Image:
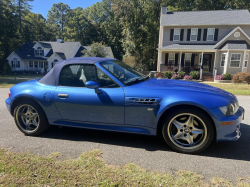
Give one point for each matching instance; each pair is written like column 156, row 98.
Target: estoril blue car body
column 106, row 94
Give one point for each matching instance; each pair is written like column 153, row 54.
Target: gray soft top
column 52, row 77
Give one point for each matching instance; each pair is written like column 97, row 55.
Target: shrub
column 195, row 74
column 241, row 77
column 168, row 74
column 7, row 68
column 181, row 74
column 187, row 77
column 175, row 76
column 129, row 60
column 227, row 76
column 218, row 77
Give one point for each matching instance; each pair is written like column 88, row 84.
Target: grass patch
column 7, row 83
column 18, row 169
column 237, row 89
column 28, row 76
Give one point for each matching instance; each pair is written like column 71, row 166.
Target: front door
column 75, row 102
column 207, row 60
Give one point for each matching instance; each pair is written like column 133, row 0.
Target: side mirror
column 93, row 85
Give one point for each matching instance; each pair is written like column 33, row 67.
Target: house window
column 188, row 59
column 15, row 63
column 210, row 34
column 31, row 64
column 39, row 52
column 36, row 64
column 41, row 64
column 235, row 60
column 177, row 33
column 171, row 58
column 223, row 59
column 53, row 63
column 246, row 60
column 194, row 33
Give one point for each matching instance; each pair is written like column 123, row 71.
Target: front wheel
column 188, row 130
column 30, row 118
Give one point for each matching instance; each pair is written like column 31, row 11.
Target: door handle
column 63, row 95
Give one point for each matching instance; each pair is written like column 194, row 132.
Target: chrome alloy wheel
column 187, row 131
column 27, row 118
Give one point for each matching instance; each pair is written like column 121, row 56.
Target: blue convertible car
column 106, row 94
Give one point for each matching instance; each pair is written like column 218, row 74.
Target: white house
column 42, row 55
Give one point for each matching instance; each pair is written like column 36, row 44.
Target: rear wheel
column 30, row 118
column 188, row 130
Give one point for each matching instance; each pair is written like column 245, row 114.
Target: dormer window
column 39, row 52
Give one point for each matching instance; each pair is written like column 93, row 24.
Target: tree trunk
column 20, row 22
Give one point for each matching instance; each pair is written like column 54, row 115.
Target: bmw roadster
column 106, row 94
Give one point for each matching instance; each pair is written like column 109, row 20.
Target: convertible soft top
column 52, row 77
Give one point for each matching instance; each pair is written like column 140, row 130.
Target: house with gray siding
column 204, row 41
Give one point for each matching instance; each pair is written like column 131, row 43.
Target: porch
column 39, row 66
column 187, row 61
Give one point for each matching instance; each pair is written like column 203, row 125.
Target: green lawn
column 19, row 169
column 7, row 83
column 236, row 89
column 30, row 76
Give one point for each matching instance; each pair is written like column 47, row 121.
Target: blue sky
column 43, row 6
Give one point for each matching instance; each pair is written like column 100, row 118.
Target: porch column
column 201, row 65
column 243, row 61
column 226, row 63
column 215, row 56
column 180, row 61
column 160, row 61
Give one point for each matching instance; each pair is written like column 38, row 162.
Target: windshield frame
column 140, row 77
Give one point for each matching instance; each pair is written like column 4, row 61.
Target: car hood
column 169, row 84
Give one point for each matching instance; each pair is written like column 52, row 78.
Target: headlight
column 231, row 109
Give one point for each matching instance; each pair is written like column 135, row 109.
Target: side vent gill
column 141, row 101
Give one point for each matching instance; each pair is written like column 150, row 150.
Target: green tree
column 58, row 14
column 95, row 50
column 9, row 36
column 79, row 28
column 22, row 8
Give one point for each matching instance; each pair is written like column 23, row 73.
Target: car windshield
column 126, row 74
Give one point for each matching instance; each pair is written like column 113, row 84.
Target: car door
column 75, row 102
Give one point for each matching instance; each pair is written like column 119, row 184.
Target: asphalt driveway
column 226, row 159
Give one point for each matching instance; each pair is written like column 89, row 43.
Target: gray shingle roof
column 238, row 44
column 186, row 46
column 212, row 17
column 65, row 50
column 68, row 48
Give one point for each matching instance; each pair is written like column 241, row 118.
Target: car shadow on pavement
column 238, row 150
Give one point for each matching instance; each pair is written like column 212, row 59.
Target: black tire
column 41, row 127
column 200, row 118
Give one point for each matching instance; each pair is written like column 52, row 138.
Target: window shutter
column 182, row 33
column 216, row 34
column 166, row 59
column 205, row 35
column 176, row 59
column 18, row 64
column 12, row 63
column 199, row 35
column 42, row 52
column 188, row 34
column 172, row 35
column 182, row 60
column 192, row 60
